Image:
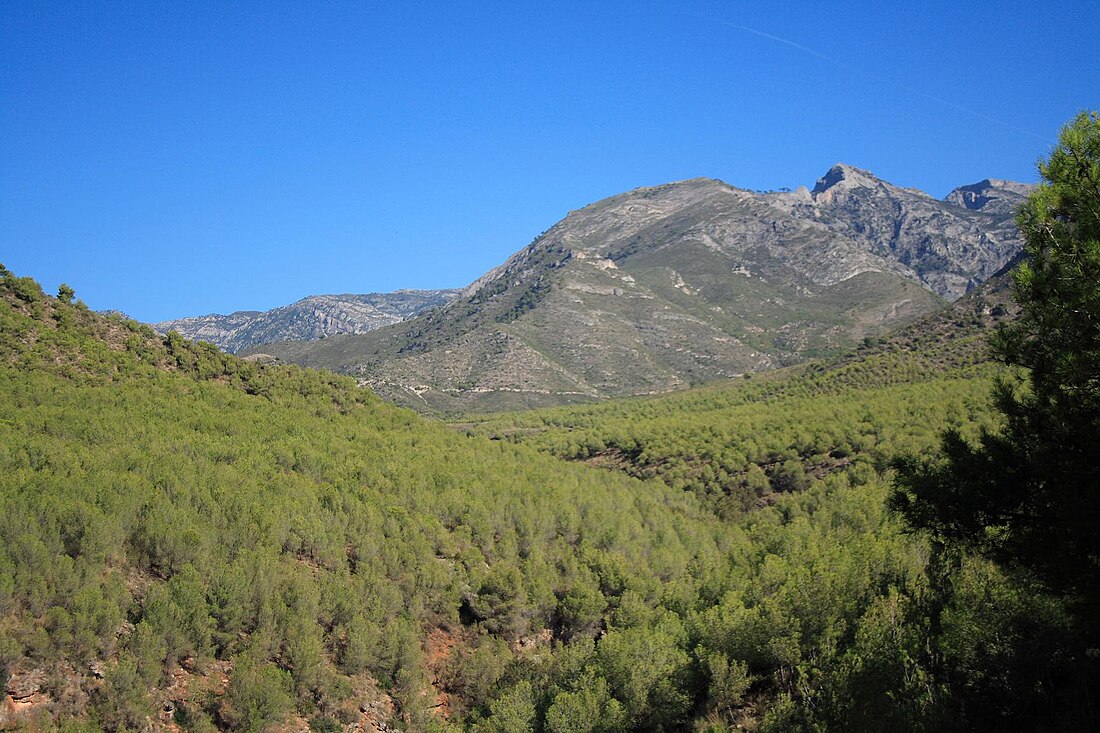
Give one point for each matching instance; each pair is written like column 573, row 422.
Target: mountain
column 660, row 288
column 311, row 318
column 990, row 196
column 950, row 245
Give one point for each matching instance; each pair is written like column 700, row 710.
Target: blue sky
column 172, row 159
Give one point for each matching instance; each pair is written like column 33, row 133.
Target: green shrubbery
column 167, row 507
column 164, row 503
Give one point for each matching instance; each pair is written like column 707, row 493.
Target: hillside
column 311, row 318
column 173, row 516
column 662, row 288
column 720, row 441
column 192, row 541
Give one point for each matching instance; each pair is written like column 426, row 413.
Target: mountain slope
column 172, row 516
column 190, row 541
column 661, row 288
column 721, row 441
column 311, row 318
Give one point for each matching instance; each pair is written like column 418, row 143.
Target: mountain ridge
column 662, row 287
column 310, row 318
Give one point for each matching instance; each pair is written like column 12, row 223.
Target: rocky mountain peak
column 844, row 177
column 993, row 195
column 664, row 286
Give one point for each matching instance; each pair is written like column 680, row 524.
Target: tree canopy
column 1027, row 495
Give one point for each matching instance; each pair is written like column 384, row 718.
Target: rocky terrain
column 661, row 288
column 311, row 318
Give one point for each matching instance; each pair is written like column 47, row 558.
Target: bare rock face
column 665, row 287
column 993, row 196
column 314, row 317
column 23, row 697
column 949, row 246
column 25, row 683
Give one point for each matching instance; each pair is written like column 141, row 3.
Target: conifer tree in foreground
column 1028, row 496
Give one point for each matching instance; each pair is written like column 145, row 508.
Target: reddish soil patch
column 438, row 648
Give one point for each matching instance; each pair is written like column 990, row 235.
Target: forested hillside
column 188, row 535
column 731, row 441
column 196, row 540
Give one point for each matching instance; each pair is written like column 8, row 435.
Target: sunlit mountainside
column 661, row 288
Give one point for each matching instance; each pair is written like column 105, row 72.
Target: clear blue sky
column 172, row 159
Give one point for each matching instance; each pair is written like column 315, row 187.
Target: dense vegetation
column 1028, row 495
column 172, row 514
column 166, row 504
column 196, row 540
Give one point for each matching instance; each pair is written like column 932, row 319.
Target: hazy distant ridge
column 313, row 317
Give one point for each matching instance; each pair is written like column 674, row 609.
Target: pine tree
column 1028, row 495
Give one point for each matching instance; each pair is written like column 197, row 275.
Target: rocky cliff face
column 664, row 287
column 315, row 317
column 949, row 246
column 991, row 196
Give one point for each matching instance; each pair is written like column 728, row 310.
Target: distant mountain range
column 311, row 318
column 661, row 288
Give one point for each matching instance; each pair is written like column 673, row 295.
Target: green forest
column 897, row 540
